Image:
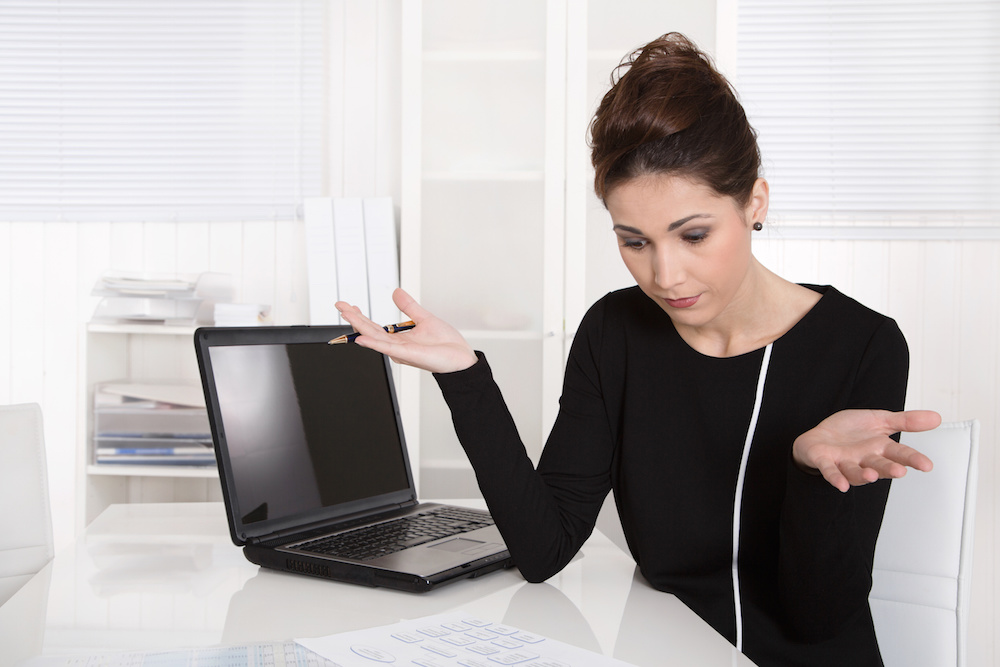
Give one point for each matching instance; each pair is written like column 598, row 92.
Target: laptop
column 314, row 468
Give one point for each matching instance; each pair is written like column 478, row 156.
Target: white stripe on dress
column 738, row 501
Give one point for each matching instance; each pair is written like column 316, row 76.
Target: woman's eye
column 633, row 244
column 695, row 237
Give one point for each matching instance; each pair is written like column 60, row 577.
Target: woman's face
column 687, row 247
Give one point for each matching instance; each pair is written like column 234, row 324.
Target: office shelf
column 124, row 470
column 501, row 334
column 470, row 56
column 499, row 175
column 138, row 354
column 144, row 329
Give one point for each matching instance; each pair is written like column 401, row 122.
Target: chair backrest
column 923, row 559
column 26, row 526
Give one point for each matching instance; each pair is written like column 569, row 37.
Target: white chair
column 26, row 526
column 923, row 559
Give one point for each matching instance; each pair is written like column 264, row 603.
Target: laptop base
column 371, row 577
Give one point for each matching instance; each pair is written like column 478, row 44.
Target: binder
column 352, row 255
column 349, row 243
column 383, row 262
column 321, row 260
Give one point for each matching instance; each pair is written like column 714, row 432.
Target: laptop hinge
column 339, row 523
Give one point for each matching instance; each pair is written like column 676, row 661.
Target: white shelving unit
column 501, row 234
column 483, row 209
column 135, row 353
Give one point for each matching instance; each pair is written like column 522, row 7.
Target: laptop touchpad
column 457, row 544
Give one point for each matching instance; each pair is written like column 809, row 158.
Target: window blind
column 179, row 110
column 875, row 111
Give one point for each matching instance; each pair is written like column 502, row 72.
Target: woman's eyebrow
column 671, row 227
column 626, row 228
column 677, row 223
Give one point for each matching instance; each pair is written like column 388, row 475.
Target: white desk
column 158, row 576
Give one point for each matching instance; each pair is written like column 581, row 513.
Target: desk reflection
column 278, row 605
column 159, row 577
column 550, row 613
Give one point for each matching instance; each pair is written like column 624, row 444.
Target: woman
column 743, row 422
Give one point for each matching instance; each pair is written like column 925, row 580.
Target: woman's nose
column 668, row 272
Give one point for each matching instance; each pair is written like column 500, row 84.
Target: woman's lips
column 686, row 302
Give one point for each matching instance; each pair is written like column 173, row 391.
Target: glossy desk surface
column 162, row 576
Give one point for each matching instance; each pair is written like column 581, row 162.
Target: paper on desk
column 454, row 639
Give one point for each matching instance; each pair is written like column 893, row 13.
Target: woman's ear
column 756, row 210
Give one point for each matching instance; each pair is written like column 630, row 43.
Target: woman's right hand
column 432, row 344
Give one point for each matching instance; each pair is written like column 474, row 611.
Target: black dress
column 666, row 428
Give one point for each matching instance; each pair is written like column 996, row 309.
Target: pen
column 391, row 328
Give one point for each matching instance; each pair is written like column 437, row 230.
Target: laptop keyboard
column 382, row 539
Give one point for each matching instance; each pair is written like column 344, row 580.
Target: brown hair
column 669, row 111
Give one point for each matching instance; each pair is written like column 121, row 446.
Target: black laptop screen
column 307, row 426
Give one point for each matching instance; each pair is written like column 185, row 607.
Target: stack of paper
column 151, row 424
column 352, row 256
column 160, row 299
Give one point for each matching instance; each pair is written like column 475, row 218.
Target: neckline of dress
column 824, row 291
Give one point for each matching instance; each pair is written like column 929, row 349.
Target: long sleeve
column 546, row 515
column 828, row 537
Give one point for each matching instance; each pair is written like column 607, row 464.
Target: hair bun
column 670, row 111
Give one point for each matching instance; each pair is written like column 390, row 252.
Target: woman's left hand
column 853, row 447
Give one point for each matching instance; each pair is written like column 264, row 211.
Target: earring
column 757, row 226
